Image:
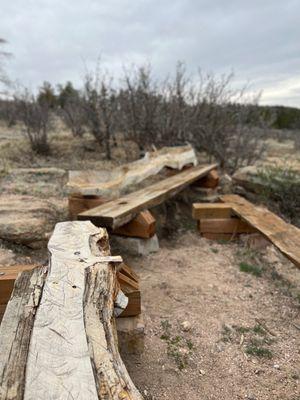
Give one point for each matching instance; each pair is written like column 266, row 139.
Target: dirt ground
column 222, row 320
column 244, row 336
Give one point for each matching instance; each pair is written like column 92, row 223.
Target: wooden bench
column 116, row 213
column 58, row 335
column 237, row 215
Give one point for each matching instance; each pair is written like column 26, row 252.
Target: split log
column 142, row 226
column 115, row 182
column 58, row 331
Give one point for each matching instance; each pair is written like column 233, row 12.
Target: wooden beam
column 284, row 236
column 226, row 225
column 211, row 210
column 61, row 328
column 118, row 212
column 142, row 226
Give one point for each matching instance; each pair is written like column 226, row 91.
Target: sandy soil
column 242, row 333
column 231, row 313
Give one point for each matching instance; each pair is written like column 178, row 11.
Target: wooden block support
column 219, row 236
column 59, row 324
column 79, row 203
column 211, row 210
column 210, row 181
column 142, row 226
column 228, row 225
column 129, row 284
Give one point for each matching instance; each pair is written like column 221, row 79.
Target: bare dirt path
column 244, row 340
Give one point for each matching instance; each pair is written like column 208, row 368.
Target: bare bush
column 4, row 80
column 35, row 117
column 72, row 109
column 8, row 112
column 139, row 102
column 101, row 106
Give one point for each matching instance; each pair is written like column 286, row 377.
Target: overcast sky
column 259, row 40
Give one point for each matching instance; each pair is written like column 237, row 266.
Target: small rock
column 276, row 366
column 250, row 397
column 186, row 326
column 202, row 372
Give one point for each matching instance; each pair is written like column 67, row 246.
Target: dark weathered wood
column 210, row 181
column 142, row 226
column 15, row 332
column 284, row 236
column 63, row 344
column 79, row 203
column 8, row 275
column 118, row 212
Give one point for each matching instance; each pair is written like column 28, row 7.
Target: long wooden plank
column 118, row 212
column 284, row 236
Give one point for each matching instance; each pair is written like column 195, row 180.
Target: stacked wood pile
column 58, row 334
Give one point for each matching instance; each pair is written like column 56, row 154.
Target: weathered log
column 58, row 334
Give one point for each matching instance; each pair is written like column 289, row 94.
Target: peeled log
column 67, row 343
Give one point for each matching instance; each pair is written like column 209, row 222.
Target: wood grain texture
column 211, row 210
column 114, row 182
column 284, row 236
column 142, row 226
column 8, row 275
column 73, row 351
column 225, row 225
column 15, row 332
column 118, row 212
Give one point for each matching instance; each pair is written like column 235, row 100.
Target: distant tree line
column 207, row 112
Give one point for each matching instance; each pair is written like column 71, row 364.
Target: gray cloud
column 53, row 40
